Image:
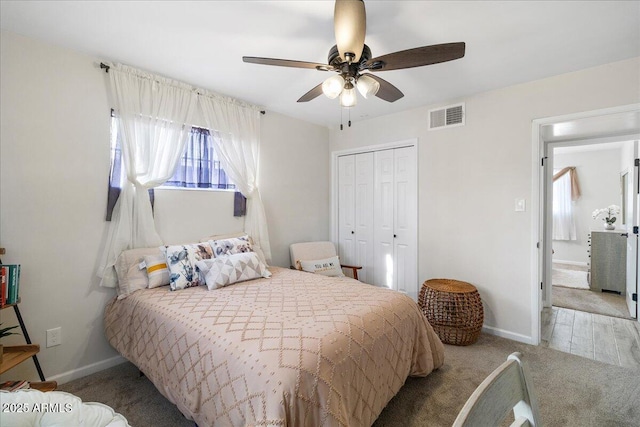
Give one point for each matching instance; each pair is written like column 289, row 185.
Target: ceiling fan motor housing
column 347, row 69
column 334, row 56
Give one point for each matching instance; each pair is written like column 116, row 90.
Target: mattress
column 297, row 349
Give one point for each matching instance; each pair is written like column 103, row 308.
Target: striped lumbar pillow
column 157, row 270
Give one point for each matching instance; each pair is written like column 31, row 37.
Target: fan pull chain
column 342, row 117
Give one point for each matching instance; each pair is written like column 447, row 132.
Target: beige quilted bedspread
column 298, row 349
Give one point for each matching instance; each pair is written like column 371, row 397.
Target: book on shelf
column 14, row 385
column 3, row 285
column 10, row 279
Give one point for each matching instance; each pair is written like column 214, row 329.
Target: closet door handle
column 394, row 236
column 353, row 232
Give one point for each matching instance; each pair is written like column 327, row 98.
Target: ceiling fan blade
column 287, row 63
column 387, row 91
column 312, row 94
column 417, row 57
column 350, row 26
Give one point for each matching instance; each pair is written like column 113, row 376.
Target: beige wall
column 295, row 157
column 470, row 176
column 54, row 165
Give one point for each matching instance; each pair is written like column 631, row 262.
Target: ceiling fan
column 351, row 59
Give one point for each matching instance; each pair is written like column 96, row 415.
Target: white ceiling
column 202, row 43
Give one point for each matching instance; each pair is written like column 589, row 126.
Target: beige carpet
column 572, row 391
column 569, row 278
column 604, row 303
column 571, row 290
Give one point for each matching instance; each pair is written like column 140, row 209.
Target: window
column 198, row 168
column 564, row 227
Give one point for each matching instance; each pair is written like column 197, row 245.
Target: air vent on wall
column 446, row 117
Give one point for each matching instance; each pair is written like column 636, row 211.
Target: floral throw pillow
column 233, row 245
column 226, row 270
column 181, row 260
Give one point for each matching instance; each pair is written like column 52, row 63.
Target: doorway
column 593, row 215
column 568, row 329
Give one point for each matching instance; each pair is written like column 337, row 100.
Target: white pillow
column 226, row 270
column 157, row 270
column 327, row 267
column 131, row 272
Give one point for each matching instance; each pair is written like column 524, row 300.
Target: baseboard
column 582, row 264
column 506, row 334
column 83, row 371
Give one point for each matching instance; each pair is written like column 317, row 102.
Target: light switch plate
column 520, row 205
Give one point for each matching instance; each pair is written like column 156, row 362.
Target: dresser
column 608, row 270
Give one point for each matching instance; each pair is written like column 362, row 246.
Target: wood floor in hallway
column 607, row 339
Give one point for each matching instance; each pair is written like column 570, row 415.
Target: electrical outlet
column 54, row 337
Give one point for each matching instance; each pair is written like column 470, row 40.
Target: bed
column 296, row 349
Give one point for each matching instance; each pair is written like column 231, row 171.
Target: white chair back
column 508, row 388
column 308, row 251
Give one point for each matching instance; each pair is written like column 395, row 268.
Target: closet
column 377, row 216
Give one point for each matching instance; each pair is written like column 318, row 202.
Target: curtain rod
column 106, row 70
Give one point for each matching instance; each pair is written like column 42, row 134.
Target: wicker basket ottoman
column 454, row 310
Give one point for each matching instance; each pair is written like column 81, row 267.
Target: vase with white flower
column 608, row 215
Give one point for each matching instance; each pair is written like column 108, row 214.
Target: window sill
column 216, row 190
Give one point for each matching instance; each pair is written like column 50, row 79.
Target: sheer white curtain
column 152, row 112
column 235, row 128
column 564, row 227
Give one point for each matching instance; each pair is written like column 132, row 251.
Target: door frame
column 411, row 142
column 540, row 231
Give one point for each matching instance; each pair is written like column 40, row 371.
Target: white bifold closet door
column 377, row 216
column 355, row 246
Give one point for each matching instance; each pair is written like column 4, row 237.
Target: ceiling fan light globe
column 348, row 97
column 332, row 87
column 350, row 23
column 367, row 86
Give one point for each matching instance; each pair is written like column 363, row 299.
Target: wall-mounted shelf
column 13, row 355
column 26, row 337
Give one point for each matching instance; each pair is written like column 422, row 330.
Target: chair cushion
column 327, row 267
